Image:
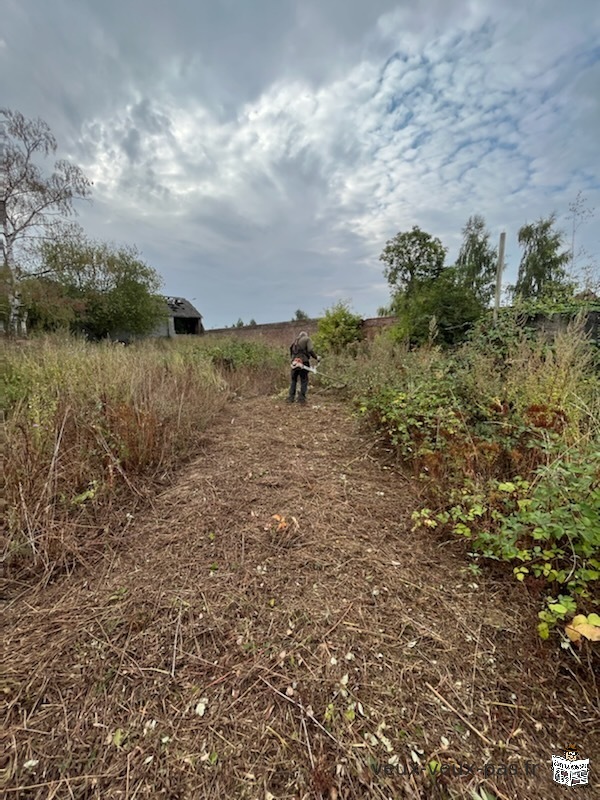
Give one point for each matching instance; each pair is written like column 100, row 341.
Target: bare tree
column 31, row 203
column 580, row 214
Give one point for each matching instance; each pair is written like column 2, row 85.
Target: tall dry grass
column 89, row 428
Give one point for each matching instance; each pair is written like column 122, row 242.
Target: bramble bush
column 547, row 527
column 505, row 433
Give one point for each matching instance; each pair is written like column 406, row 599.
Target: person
column 301, row 351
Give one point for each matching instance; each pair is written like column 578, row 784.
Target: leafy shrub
column 338, row 329
column 547, row 527
column 442, row 309
column 506, row 438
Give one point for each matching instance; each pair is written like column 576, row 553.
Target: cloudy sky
column 260, row 153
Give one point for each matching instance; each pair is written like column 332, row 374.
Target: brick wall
column 284, row 333
column 374, row 325
column 277, row 333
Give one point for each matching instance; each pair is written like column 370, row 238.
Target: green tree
column 338, row 328
column 443, row 303
column 49, row 306
column 31, row 202
column 94, row 287
column 410, row 258
column 476, row 263
column 542, row 268
column 252, row 323
column 239, row 323
column 300, row 316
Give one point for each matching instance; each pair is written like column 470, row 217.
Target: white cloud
column 345, row 126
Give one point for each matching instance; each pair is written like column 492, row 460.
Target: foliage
column 504, row 433
column 547, row 527
column 561, row 301
column 300, row 316
column 33, row 202
column 385, row 311
column 412, row 257
column 238, row 353
column 442, row 309
column 433, row 302
column 542, row 267
column 476, row 263
column 49, row 307
column 94, row 288
column 499, row 340
column 338, row 328
column 7, row 288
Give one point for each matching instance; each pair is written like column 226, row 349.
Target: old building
column 183, row 319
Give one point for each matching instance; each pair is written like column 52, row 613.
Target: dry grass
column 93, row 430
column 216, row 656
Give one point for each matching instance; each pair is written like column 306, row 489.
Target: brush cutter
column 297, row 364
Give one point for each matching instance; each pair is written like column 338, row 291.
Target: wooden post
column 499, row 270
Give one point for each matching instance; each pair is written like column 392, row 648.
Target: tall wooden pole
column 499, row 270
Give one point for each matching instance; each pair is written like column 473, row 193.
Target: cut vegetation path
column 271, row 628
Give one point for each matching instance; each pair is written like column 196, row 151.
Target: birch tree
column 542, row 267
column 32, row 202
column 476, row 263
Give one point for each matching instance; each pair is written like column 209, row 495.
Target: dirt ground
column 331, row 653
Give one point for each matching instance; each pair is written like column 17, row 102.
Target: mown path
column 214, row 656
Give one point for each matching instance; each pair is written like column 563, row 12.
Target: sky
column 260, row 153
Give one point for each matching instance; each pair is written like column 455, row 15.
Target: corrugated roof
column 180, row 307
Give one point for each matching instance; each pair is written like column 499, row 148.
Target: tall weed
column 90, row 426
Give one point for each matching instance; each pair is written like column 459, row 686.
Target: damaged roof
column 180, row 307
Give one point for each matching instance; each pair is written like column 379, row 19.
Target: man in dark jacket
column 301, row 351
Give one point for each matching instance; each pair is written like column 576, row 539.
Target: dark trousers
column 303, row 375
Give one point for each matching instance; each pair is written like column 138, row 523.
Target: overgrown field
column 91, row 429
column 504, row 433
column 273, row 627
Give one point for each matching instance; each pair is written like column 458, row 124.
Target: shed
column 183, row 318
column 180, row 319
